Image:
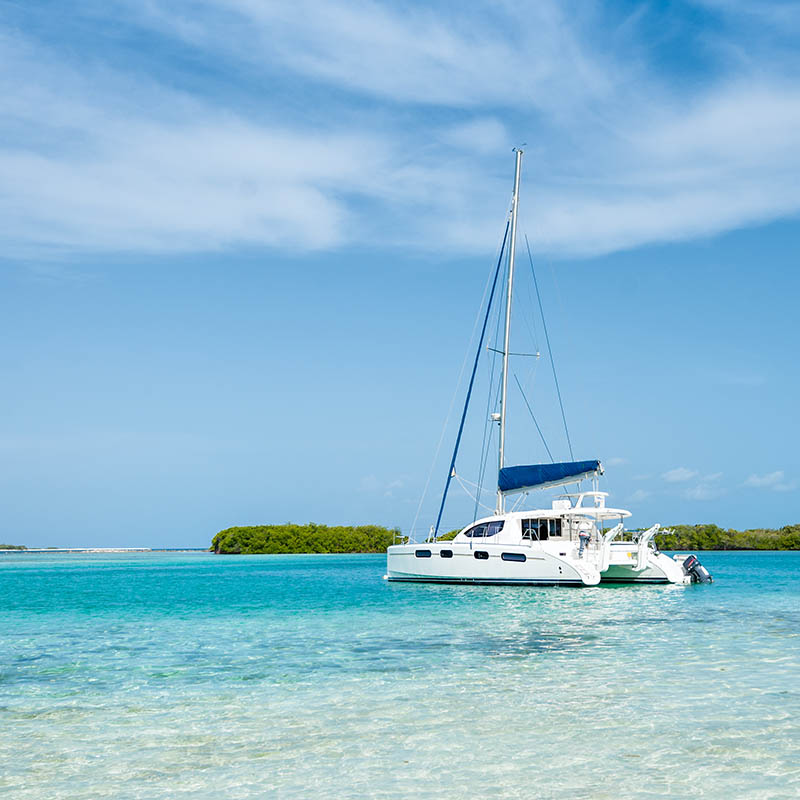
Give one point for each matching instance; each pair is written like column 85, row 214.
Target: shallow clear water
column 192, row 675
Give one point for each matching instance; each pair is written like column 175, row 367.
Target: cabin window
column 446, row 553
column 513, row 557
column 534, row 529
column 540, row 529
column 481, row 555
column 423, row 553
column 485, row 529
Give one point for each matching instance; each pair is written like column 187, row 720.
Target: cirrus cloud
column 348, row 123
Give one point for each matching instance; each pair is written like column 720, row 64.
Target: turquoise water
column 192, row 675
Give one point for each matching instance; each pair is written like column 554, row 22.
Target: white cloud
column 389, row 126
column 704, row 491
column 639, row 495
column 391, row 486
column 413, row 55
column 616, row 461
column 712, row 477
column 706, row 488
column 679, row 475
column 771, row 480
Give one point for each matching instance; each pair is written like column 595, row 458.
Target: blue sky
column 244, row 245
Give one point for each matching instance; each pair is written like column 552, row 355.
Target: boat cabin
column 568, row 516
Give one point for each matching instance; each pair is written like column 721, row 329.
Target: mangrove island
column 314, row 538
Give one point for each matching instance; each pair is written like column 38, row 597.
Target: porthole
column 446, row 553
column 423, row 553
column 513, row 557
column 481, row 555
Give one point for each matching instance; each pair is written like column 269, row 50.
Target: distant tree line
column 13, row 547
column 712, row 537
column 311, row 538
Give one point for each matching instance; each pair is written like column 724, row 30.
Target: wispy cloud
column 771, row 480
column 679, row 475
column 704, row 491
column 325, row 124
column 705, row 488
column 782, row 15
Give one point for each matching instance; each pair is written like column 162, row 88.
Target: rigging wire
column 484, row 450
column 533, row 417
column 549, row 349
column 519, row 500
column 501, row 248
column 451, row 471
column 488, row 426
column 463, row 480
column 485, row 454
column 475, row 497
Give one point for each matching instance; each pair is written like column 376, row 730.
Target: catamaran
column 577, row 540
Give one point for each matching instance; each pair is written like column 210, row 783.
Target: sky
column 243, row 248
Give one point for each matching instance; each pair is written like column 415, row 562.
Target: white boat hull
column 658, row 568
column 494, row 564
column 542, row 565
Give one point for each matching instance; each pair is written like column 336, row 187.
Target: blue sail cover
column 539, row 476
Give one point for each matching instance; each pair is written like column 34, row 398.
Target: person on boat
column 584, row 536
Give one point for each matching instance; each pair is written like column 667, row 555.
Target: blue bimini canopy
column 540, row 476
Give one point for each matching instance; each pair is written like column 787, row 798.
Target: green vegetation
column 314, row 538
column 309, row 538
column 13, row 547
column 712, row 537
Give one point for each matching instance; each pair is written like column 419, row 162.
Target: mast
column 511, row 253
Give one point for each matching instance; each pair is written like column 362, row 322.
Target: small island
column 310, row 538
column 314, row 538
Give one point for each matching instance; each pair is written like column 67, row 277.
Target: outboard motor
column 698, row 573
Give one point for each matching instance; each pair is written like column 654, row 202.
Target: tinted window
column 485, row 529
column 540, row 528
column 446, row 553
column 481, row 555
column 423, row 553
column 513, row 556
